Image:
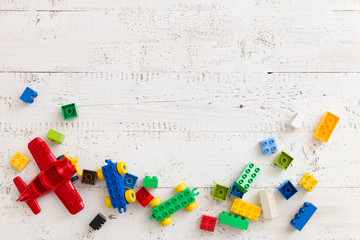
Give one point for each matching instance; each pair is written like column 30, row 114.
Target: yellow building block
column 308, row 182
column 245, row 209
column 19, row 161
column 326, row 127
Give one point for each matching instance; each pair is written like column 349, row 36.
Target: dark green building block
column 235, row 221
column 220, row 192
column 151, row 182
column 284, row 160
column 69, row 111
column 174, row 204
column 55, row 136
column 247, row 177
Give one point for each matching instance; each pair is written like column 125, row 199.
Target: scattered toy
column 28, row 95
column 268, row 203
column 97, row 222
column 150, row 182
column 297, row 121
column 143, row 197
column 69, row 111
column 235, row 192
column 234, row 221
column 130, row 180
column 88, row 177
column 303, row 216
column 20, row 161
column 55, row 136
column 284, row 160
column 220, row 192
column 268, row 146
column 287, row 189
column 247, row 177
column 326, row 127
column 245, row 209
column 309, row 182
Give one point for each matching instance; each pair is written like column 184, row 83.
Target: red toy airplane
column 55, row 176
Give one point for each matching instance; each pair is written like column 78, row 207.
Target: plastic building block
column 130, row 180
column 236, row 192
column 69, row 111
column 208, row 223
column 326, row 127
column 220, row 192
column 28, row 95
column 245, row 209
column 268, row 203
column 247, row 177
column 55, row 136
column 89, row 177
column 143, row 197
column 55, row 176
column 268, row 146
column 287, row 189
column 297, row 121
column 97, row 222
column 20, row 161
column 75, row 178
column 184, row 199
column 309, row 182
column 234, row 221
column 151, row 182
column 303, row 216
column 284, row 160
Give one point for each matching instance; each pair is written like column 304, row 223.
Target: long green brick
column 235, row 221
column 247, row 177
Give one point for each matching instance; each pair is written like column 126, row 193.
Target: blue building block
column 268, row 146
column 303, row 216
column 130, row 180
column 28, row 95
column 235, row 192
column 287, row 189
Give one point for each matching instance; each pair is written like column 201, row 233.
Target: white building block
column 297, row 121
column 268, row 203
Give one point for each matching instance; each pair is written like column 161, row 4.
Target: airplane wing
column 41, row 153
column 70, row 197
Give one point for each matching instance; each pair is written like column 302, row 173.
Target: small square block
column 89, row 177
column 235, row 192
column 287, row 189
column 28, row 95
column 151, row 182
column 297, row 121
column 55, row 136
column 220, row 192
column 284, row 160
column 144, row 197
column 20, row 161
column 308, row 182
column 97, row 222
column 268, row 146
column 69, row 111
column 208, row 223
column 130, row 180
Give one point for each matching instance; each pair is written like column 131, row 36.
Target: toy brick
column 220, row 192
column 287, row 189
column 234, row 221
column 303, row 216
column 247, row 177
column 151, row 182
column 97, row 222
column 89, row 177
column 326, row 127
column 69, row 111
column 143, row 196
column 235, row 192
column 245, row 209
column 268, row 146
column 284, row 160
column 309, row 182
column 28, row 95
column 268, row 203
column 20, row 161
column 130, row 180
column 297, row 121
column 55, row 136
column 208, row 223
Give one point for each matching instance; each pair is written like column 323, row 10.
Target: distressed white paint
column 184, row 91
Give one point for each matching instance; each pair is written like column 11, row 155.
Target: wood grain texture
column 184, row 91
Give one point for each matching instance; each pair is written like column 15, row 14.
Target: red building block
column 208, row 223
column 143, row 197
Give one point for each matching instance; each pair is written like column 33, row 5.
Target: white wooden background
column 183, row 90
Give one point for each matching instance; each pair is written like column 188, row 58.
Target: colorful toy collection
column 58, row 174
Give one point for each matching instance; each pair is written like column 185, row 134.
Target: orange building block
column 308, row 182
column 326, row 127
column 245, row 209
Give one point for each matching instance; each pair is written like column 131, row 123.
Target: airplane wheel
column 121, row 168
column 130, row 196
column 100, row 174
column 191, row 206
column 166, row 221
column 156, row 202
column 108, row 202
column 181, row 187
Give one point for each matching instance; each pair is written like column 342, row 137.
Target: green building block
column 151, row 182
column 69, row 111
column 247, row 177
column 220, row 192
column 284, row 160
column 55, row 136
column 174, row 204
column 235, row 221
